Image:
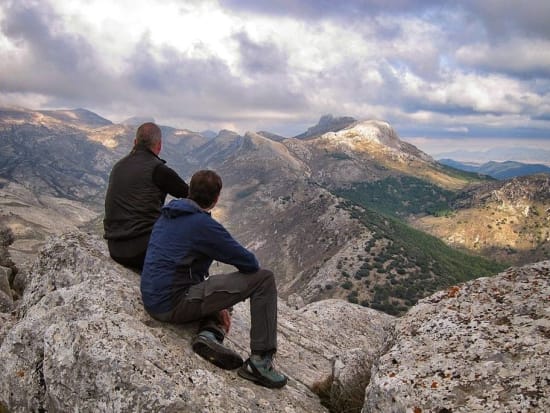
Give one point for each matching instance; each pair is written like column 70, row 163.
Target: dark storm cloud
column 475, row 130
column 51, row 66
column 34, row 25
column 202, row 88
column 54, row 60
column 260, row 58
column 500, row 17
column 503, row 18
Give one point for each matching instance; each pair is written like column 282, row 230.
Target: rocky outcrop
column 514, row 194
column 82, row 342
column 8, row 271
column 479, row 347
column 79, row 340
column 327, row 123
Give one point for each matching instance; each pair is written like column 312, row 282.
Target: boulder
column 479, row 347
column 83, row 342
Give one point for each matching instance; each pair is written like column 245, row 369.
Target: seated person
column 176, row 286
column 138, row 185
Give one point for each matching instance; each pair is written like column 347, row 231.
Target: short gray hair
column 148, row 135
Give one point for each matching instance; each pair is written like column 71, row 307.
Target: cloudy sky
column 472, row 73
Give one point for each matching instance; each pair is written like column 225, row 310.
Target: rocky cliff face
column 79, row 340
column 327, row 123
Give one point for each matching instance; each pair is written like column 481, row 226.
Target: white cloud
column 215, row 63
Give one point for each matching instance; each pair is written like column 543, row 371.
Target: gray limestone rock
column 6, row 302
column 6, row 323
column 81, row 341
column 5, row 274
column 84, row 343
column 480, row 347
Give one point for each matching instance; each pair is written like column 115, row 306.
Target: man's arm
column 218, row 244
column 169, row 181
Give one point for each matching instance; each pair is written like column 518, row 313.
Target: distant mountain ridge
column 281, row 198
column 498, row 170
column 519, row 154
column 137, row 120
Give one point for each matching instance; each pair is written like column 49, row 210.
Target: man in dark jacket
column 176, row 286
column 138, row 186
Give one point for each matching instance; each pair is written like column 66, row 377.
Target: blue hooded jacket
column 184, row 242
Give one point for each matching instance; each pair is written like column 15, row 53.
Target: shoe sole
column 262, row 381
column 217, row 354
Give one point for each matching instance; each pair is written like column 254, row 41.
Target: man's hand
column 225, row 320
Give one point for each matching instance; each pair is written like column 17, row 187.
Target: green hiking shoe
column 209, row 348
column 260, row 370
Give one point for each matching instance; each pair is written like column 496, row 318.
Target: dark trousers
column 134, row 263
column 205, row 300
column 129, row 252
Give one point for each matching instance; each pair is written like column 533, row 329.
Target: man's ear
column 158, row 147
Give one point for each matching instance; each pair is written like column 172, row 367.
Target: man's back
column 133, row 201
column 138, row 185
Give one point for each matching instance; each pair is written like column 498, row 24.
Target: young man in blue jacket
column 177, row 288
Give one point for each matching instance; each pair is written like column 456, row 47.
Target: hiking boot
column 260, row 370
column 210, row 348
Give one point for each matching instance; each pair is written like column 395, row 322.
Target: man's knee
column 267, row 277
column 265, row 273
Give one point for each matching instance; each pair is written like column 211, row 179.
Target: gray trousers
column 205, row 300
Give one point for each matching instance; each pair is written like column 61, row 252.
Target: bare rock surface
column 6, row 323
column 81, row 341
column 480, row 347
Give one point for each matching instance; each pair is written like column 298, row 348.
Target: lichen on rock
column 479, row 347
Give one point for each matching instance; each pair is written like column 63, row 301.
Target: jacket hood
column 178, row 207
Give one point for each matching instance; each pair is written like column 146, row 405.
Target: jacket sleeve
column 170, row 182
column 217, row 243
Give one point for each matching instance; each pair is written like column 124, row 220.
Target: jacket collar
column 142, row 148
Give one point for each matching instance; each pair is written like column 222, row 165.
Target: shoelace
column 270, row 365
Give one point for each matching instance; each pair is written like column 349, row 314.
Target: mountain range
column 344, row 210
column 498, row 170
column 528, row 155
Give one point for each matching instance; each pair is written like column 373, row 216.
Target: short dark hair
column 205, row 187
column 148, row 135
